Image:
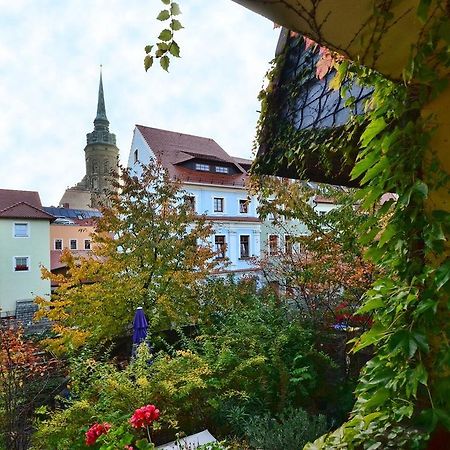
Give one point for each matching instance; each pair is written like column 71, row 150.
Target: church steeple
column 101, row 121
column 101, row 134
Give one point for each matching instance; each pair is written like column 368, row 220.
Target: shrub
column 290, row 430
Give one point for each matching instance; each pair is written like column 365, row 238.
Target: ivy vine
column 403, row 393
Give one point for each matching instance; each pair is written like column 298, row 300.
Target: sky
column 50, row 53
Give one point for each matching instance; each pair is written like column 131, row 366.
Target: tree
column 149, row 249
column 322, row 270
column 25, row 375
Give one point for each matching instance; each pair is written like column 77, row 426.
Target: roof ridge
column 179, row 132
column 25, row 203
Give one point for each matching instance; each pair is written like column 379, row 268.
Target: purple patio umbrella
column 140, row 326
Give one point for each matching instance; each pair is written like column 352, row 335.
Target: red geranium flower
column 95, row 431
column 144, row 416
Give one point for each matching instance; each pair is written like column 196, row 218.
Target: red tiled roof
column 245, row 161
column 10, row 197
column 171, row 148
column 322, row 199
column 22, row 204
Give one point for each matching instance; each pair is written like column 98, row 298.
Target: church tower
column 102, row 157
column 101, row 154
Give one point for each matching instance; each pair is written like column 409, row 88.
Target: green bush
column 290, row 430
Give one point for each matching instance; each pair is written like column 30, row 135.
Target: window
column 220, row 246
column 203, row 167
column 218, row 204
column 288, row 244
column 221, row 169
column 58, row 244
column 21, row 264
column 243, row 206
column 136, row 156
column 21, row 230
column 273, row 244
column 87, row 244
column 244, row 242
column 73, row 244
column 189, row 201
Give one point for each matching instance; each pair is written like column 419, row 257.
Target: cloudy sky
column 50, row 52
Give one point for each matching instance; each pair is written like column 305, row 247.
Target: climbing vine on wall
column 404, row 391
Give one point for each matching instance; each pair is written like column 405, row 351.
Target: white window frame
column 202, row 167
column 222, row 169
column 248, row 201
column 62, row 244
column 277, row 246
column 90, row 244
column 70, row 244
column 291, row 236
column 249, row 246
column 225, row 244
column 14, row 264
column 223, row 205
column 21, row 223
column 188, row 194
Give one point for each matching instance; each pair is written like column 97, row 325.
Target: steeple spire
column 101, row 121
column 101, row 132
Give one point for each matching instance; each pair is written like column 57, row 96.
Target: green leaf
column 371, row 304
column 174, row 49
column 422, row 9
column 372, row 130
column 387, row 235
column 175, row 9
column 442, row 275
column 382, row 164
column 175, row 25
column 421, row 188
column 377, row 399
column 148, row 62
column 364, row 164
column 148, row 48
column 421, row 374
column 369, row 237
column 164, row 46
column 163, row 15
column 165, row 61
column 421, row 341
column 370, row 337
column 166, row 2
column 165, row 35
column 336, row 82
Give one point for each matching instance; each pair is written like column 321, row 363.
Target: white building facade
column 215, row 185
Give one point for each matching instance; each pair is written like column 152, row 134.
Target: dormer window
column 202, row 167
column 221, row 169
